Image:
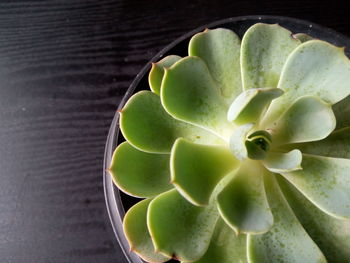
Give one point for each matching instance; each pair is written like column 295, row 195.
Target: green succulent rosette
column 241, row 151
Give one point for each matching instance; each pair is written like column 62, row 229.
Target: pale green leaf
column 315, row 68
column 287, row 241
column 156, row 74
column 325, row 182
column 179, row 229
column 139, row 173
column 331, row 234
column 225, row 246
column 308, row 119
column 283, row 162
column 335, row 145
column 196, row 169
column 243, row 204
column 237, row 141
column 136, row 232
column 251, row 104
column 265, row 49
column 220, row 49
column 190, row 94
column 148, row 127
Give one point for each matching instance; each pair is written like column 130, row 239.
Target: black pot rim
column 112, row 195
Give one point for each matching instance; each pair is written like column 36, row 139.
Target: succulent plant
column 241, row 151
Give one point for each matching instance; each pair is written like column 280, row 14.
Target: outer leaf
column 136, row 232
column 302, row 122
column 190, row 94
column 225, row 246
column 342, row 113
column 303, row 37
column 138, row 173
column 283, row 162
column 315, row 68
column 220, row 49
column 332, row 235
column 243, row 204
column 156, row 74
column 287, row 241
column 335, row 145
column 196, row 169
column 237, row 141
column 251, row 104
column 180, row 229
column 147, row 126
column 265, row 49
column 325, row 182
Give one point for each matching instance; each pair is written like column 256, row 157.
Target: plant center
column 258, row 144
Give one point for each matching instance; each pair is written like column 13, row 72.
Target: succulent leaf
column 197, row 169
column 139, row 173
column 302, row 37
column 243, row 204
column 251, row 104
column 265, row 49
column 148, row 127
column 135, row 229
column 315, row 68
column 308, row 119
column 179, row 229
column 156, row 74
column 190, row 94
column 325, row 182
column 283, row 162
column 237, row 141
column 335, row 145
column 287, row 241
column 266, row 162
column 220, row 49
column 331, row 234
column 225, row 246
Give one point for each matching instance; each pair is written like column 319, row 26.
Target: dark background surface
column 64, row 67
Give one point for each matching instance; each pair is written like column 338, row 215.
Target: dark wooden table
column 64, row 67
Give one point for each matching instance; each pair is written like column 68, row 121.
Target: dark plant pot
column 118, row 202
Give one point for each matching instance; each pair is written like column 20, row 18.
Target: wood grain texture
column 64, row 67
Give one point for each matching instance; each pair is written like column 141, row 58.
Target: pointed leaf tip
column 156, row 74
column 220, row 49
column 265, row 48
